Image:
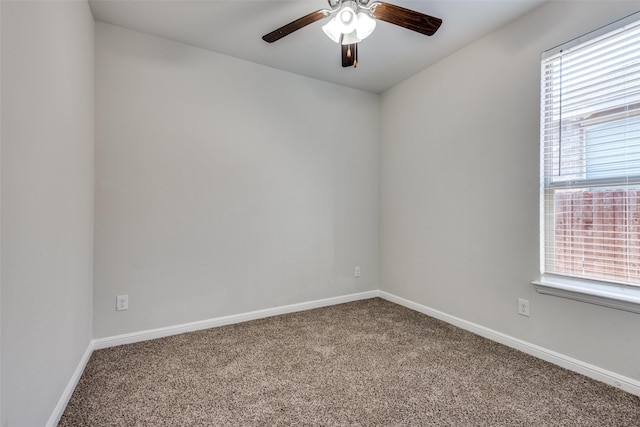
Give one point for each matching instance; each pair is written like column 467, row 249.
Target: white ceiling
column 235, row 27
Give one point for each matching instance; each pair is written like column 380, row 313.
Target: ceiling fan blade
column 406, row 18
column 350, row 55
column 295, row 25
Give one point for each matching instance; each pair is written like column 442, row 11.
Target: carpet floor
column 363, row 363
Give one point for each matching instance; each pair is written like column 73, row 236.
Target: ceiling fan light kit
column 351, row 24
column 354, row 21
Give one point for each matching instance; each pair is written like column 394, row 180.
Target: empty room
column 261, row 212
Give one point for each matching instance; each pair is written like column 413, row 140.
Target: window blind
column 590, row 132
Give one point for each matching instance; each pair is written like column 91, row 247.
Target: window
column 590, row 137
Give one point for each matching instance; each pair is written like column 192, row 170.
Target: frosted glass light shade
column 365, row 26
column 350, row 38
column 346, row 20
column 332, row 30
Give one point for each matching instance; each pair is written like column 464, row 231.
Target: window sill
column 607, row 295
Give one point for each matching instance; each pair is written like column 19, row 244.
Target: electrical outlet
column 122, row 302
column 357, row 272
column 523, row 307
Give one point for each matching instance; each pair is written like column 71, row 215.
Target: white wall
column 2, row 418
column 47, row 202
column 224, row 186
column 459, row 190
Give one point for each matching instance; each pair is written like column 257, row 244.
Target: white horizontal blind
column 591, row 158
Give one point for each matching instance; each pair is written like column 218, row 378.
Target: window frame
column 601, row 292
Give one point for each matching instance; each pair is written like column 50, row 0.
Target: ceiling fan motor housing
column 334, row 4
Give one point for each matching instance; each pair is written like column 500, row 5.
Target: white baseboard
column 54, row 419
column 624, row 383
column 100, row 343
column 227, row 320
column 627, row 384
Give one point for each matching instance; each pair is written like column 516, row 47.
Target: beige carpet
column 363, row 363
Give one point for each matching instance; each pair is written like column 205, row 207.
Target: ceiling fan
column 355, row 20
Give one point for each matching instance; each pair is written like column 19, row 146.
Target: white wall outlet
column 122, row 302
column 523, row 307
column 356, row 273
